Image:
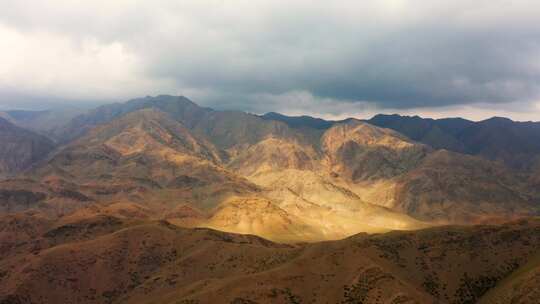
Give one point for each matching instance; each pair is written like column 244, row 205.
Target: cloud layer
column 330, row 57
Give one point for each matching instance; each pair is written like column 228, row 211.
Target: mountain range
column 387, row 210
column 515, row 144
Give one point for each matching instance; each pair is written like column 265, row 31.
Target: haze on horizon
column 334, row 60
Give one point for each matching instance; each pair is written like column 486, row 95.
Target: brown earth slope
column 106, row 259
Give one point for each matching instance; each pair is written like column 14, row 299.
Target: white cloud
column 42, row 63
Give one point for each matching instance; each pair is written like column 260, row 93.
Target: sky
column 333, row 59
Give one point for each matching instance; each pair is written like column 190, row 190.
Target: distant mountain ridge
column 516, row 144
column 300, row 121
column 43, row 122
column 179, row 107
column 20, row 148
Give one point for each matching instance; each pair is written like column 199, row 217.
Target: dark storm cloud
column 247, row 54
